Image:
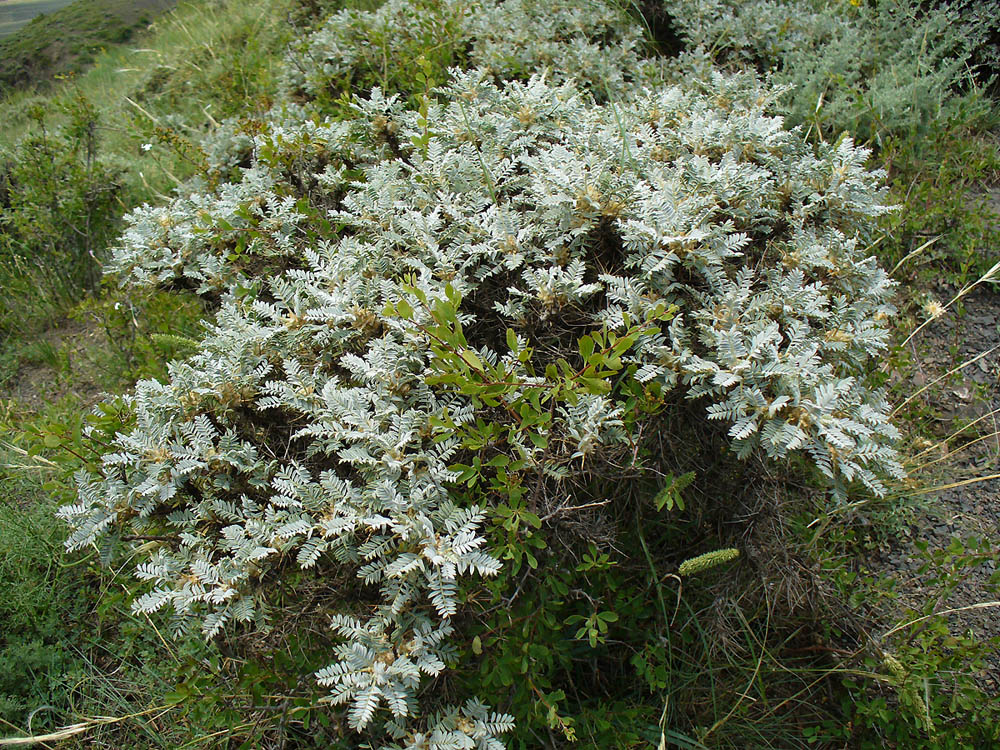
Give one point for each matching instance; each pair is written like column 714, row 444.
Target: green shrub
column 407, row 47
column 441, row 328
column 60, row 213
column 872, row 69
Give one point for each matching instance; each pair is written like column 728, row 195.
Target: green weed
column 940, row 183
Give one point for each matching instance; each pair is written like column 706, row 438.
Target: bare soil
column 39, row 384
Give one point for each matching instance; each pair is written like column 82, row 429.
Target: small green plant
column 44, row 352
column 61, row 212
column 939, row 183
column 141, row 335
column 916, row 683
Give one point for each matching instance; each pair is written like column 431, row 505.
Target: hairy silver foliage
column 304, row 430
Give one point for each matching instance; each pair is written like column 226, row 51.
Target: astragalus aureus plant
column 499, row 285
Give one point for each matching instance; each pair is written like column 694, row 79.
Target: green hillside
column 14, row 14
column 65, row 38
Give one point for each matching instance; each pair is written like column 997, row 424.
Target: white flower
column 933, row 309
